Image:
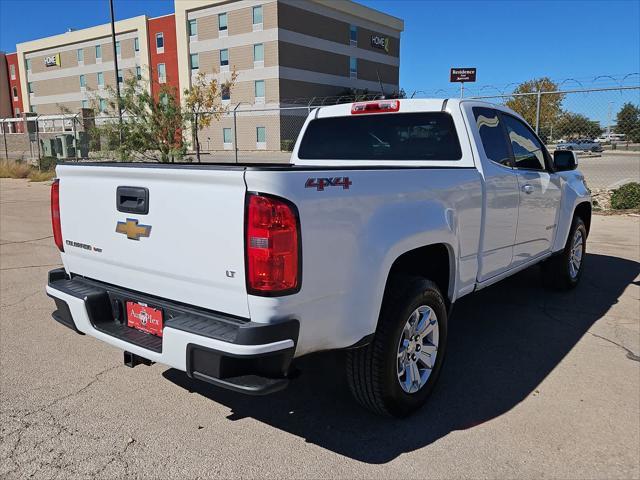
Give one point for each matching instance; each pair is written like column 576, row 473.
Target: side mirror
column 564, row 160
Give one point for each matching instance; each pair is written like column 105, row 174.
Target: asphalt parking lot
column 536, row 384
column 610, row 170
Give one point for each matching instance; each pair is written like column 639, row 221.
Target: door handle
column 527, row 188
column 132, row 200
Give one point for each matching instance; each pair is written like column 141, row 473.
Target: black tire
column 557, row 270
column 372, row 369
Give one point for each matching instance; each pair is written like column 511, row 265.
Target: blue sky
column 508, row 41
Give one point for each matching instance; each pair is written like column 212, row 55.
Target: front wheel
column 563, row 271
column 395, row 374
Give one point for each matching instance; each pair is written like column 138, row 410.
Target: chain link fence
column 602, row 125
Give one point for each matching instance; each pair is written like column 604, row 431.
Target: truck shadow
column 503, row 342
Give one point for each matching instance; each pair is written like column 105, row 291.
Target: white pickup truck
column 388, row 213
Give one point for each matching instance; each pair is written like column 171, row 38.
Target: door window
column 528, row 152
column 492, row 135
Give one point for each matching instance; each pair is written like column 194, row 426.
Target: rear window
column 392, row 136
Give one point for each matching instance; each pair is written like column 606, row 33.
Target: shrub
column 22, row 170
column 48, row 163
column 42, row 176
column 14, row 170
column 287, row 145
column 627, row 196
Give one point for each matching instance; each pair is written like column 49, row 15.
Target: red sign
column 144, row 318
column 463, row 75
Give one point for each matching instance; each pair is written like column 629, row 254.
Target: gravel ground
column 536, row 384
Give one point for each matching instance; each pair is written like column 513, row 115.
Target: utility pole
column 115, row 63
column 609, row 122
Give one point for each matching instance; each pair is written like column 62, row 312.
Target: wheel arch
column 434, row 262
column 583, row 210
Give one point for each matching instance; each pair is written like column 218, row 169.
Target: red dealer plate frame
column 144, row 318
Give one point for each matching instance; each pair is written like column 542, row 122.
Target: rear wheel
column 397, row 371
column 565, row 269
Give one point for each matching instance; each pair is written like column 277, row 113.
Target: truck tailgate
column 194, row 251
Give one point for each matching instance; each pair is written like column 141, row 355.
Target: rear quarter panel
column 351, row 237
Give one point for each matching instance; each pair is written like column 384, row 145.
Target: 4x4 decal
column 321, row 183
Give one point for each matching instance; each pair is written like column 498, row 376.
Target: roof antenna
column 381, row 87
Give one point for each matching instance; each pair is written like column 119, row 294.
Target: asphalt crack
column 26, row 241
column 630, row 354
column 31, row 266
column 33, row 419
column 32, row 294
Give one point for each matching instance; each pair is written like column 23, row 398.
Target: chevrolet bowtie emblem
column 132, row 230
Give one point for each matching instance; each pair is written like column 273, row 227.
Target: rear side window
column 528, row 152
column 492, row 135
column 391, row 136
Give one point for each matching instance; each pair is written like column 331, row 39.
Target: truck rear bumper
column 229, row 352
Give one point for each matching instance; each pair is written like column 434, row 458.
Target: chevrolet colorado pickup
column 388, row 213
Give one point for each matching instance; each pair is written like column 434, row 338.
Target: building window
column 15, row 93
column 33, row 109
column 193, row 28
column 164, row 99
column 136, row 44
column 258, row 52
column 261, row 137
column 224, row 57
column 227, row 135
column 162, row 73
column 85, row 103
column 257, row 15
column 225, row 93
column 353, row 67
column 120, row 77
column 29, row 87
column 103, row 105
column 17, row 113
column 118, row 51
column 28, row 64
column 194, row 61
column 98, row 52
column 222, row 22
column 353, row 35
column 139, row 73
column 83, row 81
column 259, row 90
column 80, row 55
column 12, row 70
column 100, row 79
column 160, row 42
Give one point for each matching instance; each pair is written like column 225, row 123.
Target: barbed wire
column 471, row 90
column 603, row 80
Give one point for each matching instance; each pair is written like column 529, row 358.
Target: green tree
column 628, row 122
column 203, row 103
column 526, row 103
column 151, row 128
column 575, row 125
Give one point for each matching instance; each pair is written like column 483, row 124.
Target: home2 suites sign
column 52, row 60
column 380, row 42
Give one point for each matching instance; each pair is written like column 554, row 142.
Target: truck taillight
column 378, row 106
column 272, row 246
column 55, row 214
